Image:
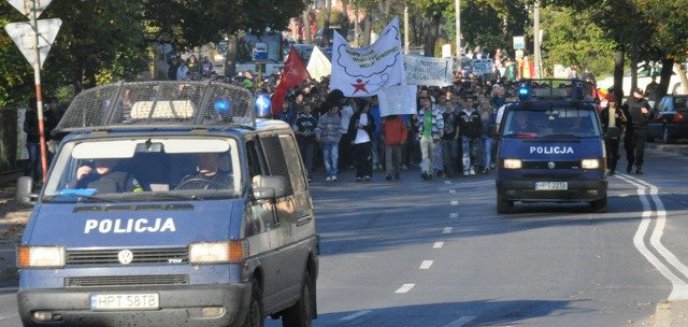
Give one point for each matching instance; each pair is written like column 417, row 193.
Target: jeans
column 393, row 158
column 488, row 146
column 428, row 147
column 330, row 151
column 450, row 152
column 307, row 149
column 34, row 166
column 466, row 151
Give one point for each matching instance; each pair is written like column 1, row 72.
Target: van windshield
column 145, row 169
column 553, row 122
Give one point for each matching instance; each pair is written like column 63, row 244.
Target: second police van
column 551, row 146
column 169, row 204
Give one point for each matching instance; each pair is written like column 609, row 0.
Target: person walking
column 304, row 128
column 394, row 134
column 360, row 131
column 639, row 114
column 430, row 130
column 470, row 127
column 613, row 121
column 329, row 132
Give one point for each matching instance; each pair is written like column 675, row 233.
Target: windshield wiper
column 77, row 198
column 561, row 136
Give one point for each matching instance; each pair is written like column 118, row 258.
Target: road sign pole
column 39, row 93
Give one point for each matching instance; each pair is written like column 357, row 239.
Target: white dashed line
column 405, row 288
column 460, row 322
column 454, row 215
column 455, row 203
column 452, row 191
column 447, row 182
column 426, row 264
column 438, row 245
column 447, row 230
column 355, row 315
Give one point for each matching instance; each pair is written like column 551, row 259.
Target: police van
column 551, row 146
column 169, row 204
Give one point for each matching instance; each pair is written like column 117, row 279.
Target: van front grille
column 126, row 280
column 140, row 256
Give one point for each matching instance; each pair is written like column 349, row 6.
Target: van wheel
column 255, row 316
column 504, row 206
column 301, row 313
column 599, row 206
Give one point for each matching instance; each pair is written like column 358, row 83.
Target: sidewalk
column 13, row 217
column 681, row 149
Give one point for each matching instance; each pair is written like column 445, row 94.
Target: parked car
column 670, row 119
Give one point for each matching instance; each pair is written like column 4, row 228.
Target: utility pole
column 457, row 4
column 536, row 40
column 407, row 46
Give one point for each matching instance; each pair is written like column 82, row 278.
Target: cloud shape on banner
column 352, row 71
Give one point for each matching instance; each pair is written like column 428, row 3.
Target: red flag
column 294, row 72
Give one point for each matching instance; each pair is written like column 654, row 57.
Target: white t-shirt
column 346, row 112
column 361, row 135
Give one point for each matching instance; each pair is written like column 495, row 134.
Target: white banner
column 398, row 100
column 429, row 71
column 482, row 66
column 363, row 72
column 319, row 66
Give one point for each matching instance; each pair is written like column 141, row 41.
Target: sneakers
column 334, row 178
column 328, row 178
column 366, row 178
column 425, row 176
column 472, row 172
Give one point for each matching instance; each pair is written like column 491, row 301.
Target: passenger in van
column 523, row 124
column 104, row 178
column 209, row 174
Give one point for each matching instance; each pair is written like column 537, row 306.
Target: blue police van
column 551, row 146
column 169, row 204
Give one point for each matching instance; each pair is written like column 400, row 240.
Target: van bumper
column 178, row 306
column 590, row 190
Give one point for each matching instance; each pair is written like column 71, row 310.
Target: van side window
column 291, row 152
column 255, row 161
column 272, row 151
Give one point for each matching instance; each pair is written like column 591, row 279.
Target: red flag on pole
column 294, row 72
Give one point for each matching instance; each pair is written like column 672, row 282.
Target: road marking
column 455, row 203
column 355, row 315
column 679, row 286
column 426, row 264
column 438, row 245
column 454, row 215
column 460, row 322
column 7, row 250
column 405, row 288
column 447, row 230
column 9, row 316
column 452, row 191
column 447, row 182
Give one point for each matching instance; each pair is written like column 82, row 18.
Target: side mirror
column 24, row 193
column 269, row 187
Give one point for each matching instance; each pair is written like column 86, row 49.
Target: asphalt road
column 436, row 253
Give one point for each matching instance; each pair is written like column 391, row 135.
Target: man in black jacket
column 613, row 120
column 639, row 117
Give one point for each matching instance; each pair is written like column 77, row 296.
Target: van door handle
column 303, row 220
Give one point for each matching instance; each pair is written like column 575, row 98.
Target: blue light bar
column 523, row 93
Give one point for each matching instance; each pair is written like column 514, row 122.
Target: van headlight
column 40, row 257
column 590, row 164
column 513, row 163
column 216, row 252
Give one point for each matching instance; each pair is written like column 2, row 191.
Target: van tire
column 504, row 206
column 599, row 206
column 302, row 312
column 255, row 317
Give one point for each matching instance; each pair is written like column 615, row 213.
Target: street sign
column 24, row 6
column 23, row 36
column 519, row 42
column 260, row 51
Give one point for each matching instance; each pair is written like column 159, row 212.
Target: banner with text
column 363, row 72
column 428, row 70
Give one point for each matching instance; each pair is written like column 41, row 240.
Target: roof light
column 523, row 93
column 223, row 106
column 263, row 106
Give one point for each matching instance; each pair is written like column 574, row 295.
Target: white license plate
column 551, row 186
column 125, row 302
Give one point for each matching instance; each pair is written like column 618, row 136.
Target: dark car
column 669, row 121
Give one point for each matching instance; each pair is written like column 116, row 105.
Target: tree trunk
column 367, row 30
column 357, row 26
column 433, row 32
column 682, row 75
column 231, row 57
column 634, row 68
column 619, row 55
column 665, row 76
column 326, row 23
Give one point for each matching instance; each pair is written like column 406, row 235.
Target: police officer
column 639, row 114
column 613, row 120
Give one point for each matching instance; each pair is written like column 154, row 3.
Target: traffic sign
column 25, row 6
column 260, row 51
column 23, row 36
column 519, row 42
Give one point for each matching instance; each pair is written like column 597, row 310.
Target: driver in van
column 209, row 174
column 523, row 124
column 102, row 177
